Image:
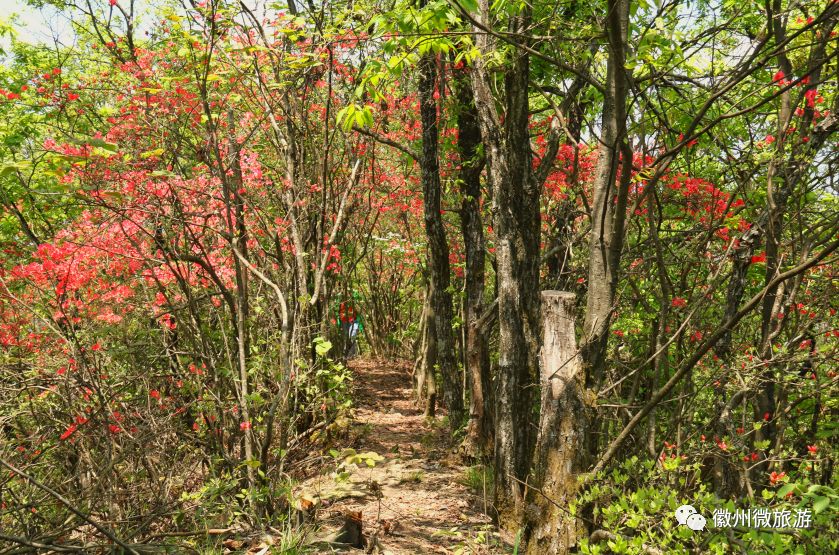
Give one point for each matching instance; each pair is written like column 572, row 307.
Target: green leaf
column 150, row 153
column 820, row 503
column 8, row 169
column 786, row 489
column 469, row 5
column 367, row 116
column 322, row 347
column 163, row 173
column 99, row 143
column 346, row 117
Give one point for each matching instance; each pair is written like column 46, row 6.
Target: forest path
column 414, row 500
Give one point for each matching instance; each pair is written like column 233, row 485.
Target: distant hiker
column 350, row 326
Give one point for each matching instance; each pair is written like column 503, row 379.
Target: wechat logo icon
column 686, row 515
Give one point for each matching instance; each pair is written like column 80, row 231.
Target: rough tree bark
column 516, row 219
column 478, row 437
column 560, row 453
column 424, row 383
column 778, row 191
column 438, row 250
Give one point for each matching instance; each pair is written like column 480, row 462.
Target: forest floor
column 419, row 497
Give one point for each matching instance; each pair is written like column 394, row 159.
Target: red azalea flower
column 71, row 429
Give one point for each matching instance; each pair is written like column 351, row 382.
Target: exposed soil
column 414, row 500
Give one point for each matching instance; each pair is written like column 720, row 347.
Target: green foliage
column 637, row 500
column 353, row 115
column 333, row 379
column 479, row 478
column 349, row 457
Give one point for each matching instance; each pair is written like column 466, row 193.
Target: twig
column 107, row 533
column 687, row 365
column 385, row 141
column 37, row 545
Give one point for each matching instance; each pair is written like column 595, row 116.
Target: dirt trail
column 414, row 500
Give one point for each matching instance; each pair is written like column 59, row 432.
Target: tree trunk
column 478, row 440
column 425, row 384
column 438, row 249
column 560, row 449
column 784, row 174
column 608, row 205
column 235, row 216
column 517, row 224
